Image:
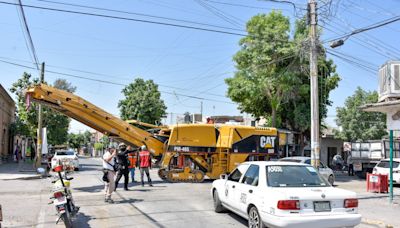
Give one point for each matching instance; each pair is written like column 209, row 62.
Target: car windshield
column 294, row 176
column 64, row 153
column 386, row 164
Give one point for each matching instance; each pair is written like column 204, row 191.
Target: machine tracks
column 186, row 175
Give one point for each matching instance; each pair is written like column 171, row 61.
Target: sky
column 182, row 61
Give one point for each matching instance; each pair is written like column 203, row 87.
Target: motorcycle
column 62, row 197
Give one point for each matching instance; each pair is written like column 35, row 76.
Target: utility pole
column 315, row 140
column 201, row 109
column 40, row 132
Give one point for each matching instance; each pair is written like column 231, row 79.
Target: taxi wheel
column 217, row 203
column 255, row 218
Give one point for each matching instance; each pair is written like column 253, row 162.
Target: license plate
column 357, row 167
column 322, row 206
column 60, row 200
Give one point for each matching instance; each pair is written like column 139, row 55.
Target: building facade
column 7, row 117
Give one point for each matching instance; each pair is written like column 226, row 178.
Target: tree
column 272, row 79
column 142, row 102
column 356, row 124
column 57, row 124
column 76, row 141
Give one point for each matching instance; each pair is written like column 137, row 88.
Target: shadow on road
column 96, row 188
column 238, row 218
column 129, row 201
column 82, row 220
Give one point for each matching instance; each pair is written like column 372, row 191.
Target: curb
column 34, row 177
column 376, row 223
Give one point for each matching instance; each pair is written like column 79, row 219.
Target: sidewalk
column 375, row 208
column 21, row 170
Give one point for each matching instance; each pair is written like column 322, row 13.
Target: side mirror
column 223, row 176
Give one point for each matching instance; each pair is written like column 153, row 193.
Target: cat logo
column 267, row 141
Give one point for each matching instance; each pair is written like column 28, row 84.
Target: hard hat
column 143, row 147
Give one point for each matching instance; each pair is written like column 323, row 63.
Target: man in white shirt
column 108, row 166
column 350, row 164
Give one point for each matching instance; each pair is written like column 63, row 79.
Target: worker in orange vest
column 144, row 161
column 132, row 163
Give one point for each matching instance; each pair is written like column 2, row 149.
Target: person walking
column 109, row 168
column 350, row 164
column 123, row 170
column 144, row 161
column 132, row 163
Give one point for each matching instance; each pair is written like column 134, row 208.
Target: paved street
column 164, row 205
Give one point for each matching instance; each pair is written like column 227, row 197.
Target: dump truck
column 186, row 152
column 365, row 155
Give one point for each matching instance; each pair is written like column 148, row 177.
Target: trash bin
column 377, row 183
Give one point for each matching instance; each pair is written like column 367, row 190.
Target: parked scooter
column 62, row 196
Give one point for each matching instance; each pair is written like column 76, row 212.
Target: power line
column 372, row 26
column 115, row 83
column 138, row 14
column 228, row 18
column 28, row 33
column 128, row 19
column 240, row 5
column 112, row 76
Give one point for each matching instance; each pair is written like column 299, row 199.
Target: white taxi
column 284, row 194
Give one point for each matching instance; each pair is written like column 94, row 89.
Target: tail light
column 350, row 203
column 288, row 205
column 58, row 194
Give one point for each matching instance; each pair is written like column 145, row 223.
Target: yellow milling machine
column 201, row 149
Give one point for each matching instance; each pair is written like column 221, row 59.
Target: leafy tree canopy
column 78, row 140
column 356, row 124
column 272, row 77
column 57, row 124
column 142, row 102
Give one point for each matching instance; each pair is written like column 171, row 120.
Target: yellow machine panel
column 193, row 135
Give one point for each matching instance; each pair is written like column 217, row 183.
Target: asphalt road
column 164, row 205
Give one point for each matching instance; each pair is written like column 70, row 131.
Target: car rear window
column 290, row 160
column 294, row 176
column 64, row 153
column 386, row 164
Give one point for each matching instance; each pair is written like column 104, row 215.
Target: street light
column 336, row 43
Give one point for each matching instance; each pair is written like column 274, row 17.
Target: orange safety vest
column 132, row 160
column 144, row 159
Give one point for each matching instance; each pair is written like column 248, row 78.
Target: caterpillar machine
column 200, row 149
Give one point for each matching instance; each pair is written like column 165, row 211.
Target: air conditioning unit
column 389, row 81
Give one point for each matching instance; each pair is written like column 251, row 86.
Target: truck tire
column 361, row 174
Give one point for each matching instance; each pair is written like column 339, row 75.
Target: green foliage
column 57, row 124
column 105, row 140
column 142, row 102
column 272, row 78
column 359, row 125
column 98, row 146
column 79, row 140
column 76, row 141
